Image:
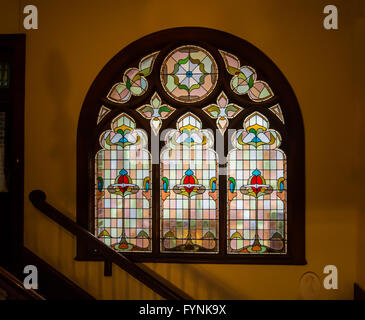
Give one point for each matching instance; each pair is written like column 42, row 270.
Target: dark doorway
column 12, row 71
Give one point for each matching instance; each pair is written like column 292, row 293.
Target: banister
column 139, row 271
column 15, row 289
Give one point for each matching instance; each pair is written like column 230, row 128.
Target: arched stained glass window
column 197, row 154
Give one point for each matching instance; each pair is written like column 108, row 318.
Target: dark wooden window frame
column 292, row 138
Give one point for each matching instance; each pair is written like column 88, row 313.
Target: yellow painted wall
column 9, row 16
column 359, row 69
column 76, row 39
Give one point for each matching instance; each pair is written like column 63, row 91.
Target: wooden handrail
column 52, row 284
column 139, row 271
column 15, row 289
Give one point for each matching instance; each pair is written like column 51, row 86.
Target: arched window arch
column 190, row 148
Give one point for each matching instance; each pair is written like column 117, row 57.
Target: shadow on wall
column 204, row 285
column 219, row 289
column 60, row 137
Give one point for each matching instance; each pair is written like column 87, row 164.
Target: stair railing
column 139, row 271
column 13, row 288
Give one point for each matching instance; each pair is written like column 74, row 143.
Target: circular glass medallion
column 189, row 74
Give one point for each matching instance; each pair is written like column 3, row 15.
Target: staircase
column 139, row 271
column 11, row 288
column 52, row 285
column 55, row 286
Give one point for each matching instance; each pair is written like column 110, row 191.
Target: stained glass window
column 256, row 189
column 156, row 111
column 123, row 187
column 222, row 111
column 189, row 74
column 134, row 81
column 189, row 189
column 102, row 113
column 277, row 111
column 198, row 139
column 244, row 79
